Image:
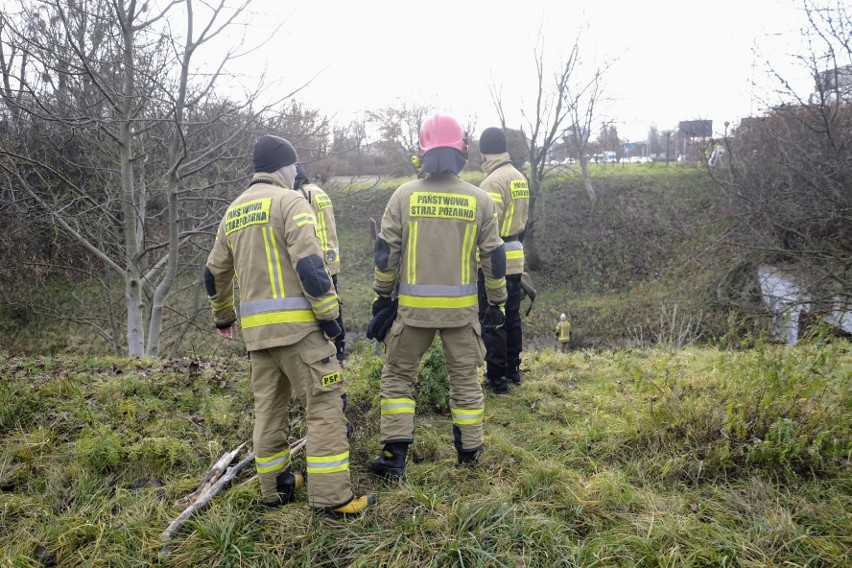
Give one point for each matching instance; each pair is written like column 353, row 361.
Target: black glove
column 380, row 303
column 495, row 315
column 330, row 328
column 381, row 323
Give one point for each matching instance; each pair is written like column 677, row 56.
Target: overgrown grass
column 694, row 457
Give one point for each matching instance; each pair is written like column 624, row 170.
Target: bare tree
column 788, row 174
column 561, row 97
column 130, row 148
column 399, row 128
column 584, row 95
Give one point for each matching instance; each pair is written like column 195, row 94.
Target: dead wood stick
column 204, row 499
column 295, row 447
column 215, row 473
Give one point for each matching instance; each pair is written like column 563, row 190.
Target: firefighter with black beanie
column 288, row 309
column 510, row 192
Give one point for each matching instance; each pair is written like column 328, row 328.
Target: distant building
column 837, row 80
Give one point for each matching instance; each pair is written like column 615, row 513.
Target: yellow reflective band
column 519, row 189
column 270, row 264
column 412, row 252
column 323, row 307
column 322, row 232
column 270, row 318
column 397, row 406
column 496, row 197
column 229, row 303
column 467, row 248
column 514, row 254
column 467, row 416
column 437, row 301
column 384, row 276
column 305, row 219
column 255, row 212
column 494, row 284
column 277, row 259
column 279, row 461
column 327, row 464
column 442, row 205
column 507, row 220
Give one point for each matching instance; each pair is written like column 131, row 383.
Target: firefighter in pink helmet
column 432, row 230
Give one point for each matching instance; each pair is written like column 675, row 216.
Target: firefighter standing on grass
column 509, row 189
column 320, row 202
column 431, row 232
column 563, row 333
column 288, row 308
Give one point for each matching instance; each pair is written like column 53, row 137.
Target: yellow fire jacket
column 326, row 228
column 267, row 240
column 431, row 231
column 563, row 331
column 511, row 194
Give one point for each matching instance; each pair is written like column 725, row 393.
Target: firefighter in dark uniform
column 509, row 189
column 288, row 308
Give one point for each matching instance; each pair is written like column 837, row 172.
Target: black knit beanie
column 492, row 141
column 271, row 153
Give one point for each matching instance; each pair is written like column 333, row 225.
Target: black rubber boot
column 286, row 483
column 392, row 461
column 514, row 374
column 469, row 458
column 497, row 385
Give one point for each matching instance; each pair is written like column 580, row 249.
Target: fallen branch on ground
column 216, row 472
column 211, row 485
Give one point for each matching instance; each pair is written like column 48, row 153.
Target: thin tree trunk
column 132, row 274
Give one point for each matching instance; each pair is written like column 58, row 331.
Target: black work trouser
column 340, row 340
column 503, row 345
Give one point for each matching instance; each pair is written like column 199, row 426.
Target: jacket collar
column 271, row 179
column 494, row 163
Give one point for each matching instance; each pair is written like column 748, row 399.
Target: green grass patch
column 640, row 457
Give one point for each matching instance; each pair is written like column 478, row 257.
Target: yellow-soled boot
column 354, row 507
column 286, row 483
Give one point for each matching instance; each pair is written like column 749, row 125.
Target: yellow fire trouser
column 308, row 369
column 463, row 354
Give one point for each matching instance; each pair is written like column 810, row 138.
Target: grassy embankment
column 639, row 457
column 641, row 252
column 625, row 458
column 621, row 267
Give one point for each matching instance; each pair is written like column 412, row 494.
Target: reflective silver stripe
column 282, row 462
column 325, row 306
column 317, row 464
column 274, row 305
column 437, row 290
column 513, row 245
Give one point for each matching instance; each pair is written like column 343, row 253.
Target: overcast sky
column 673, row 59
